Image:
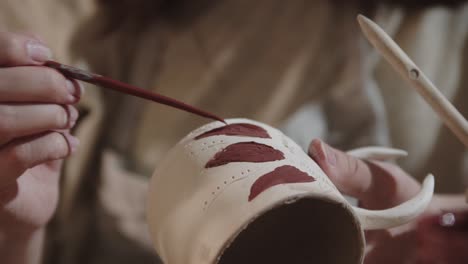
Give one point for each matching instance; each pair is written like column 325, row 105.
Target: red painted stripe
column 245, row 130
column 245, row 152
column 281, row 175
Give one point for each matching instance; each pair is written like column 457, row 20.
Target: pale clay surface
column 194, row 212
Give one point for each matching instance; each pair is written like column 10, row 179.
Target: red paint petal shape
column 281, row 175
column 246, row 130
column 245, row 152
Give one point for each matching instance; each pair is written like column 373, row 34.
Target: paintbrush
column 411, row 73
column 106, row 82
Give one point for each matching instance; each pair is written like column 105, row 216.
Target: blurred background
column 302, row 66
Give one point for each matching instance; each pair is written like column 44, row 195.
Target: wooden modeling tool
column 99, row 80
column 411, row 73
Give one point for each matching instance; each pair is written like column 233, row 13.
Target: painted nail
column 38, row 52
column 447, row 220
column 454, row 220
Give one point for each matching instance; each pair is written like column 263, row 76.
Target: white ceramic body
column 194, row 212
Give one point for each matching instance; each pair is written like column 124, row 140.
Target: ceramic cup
column 246, row 193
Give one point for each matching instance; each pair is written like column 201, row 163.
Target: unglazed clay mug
column 246, row 193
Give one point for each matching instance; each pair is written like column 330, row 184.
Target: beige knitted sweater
column 302, row 66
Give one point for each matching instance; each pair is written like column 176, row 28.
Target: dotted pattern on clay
column 219, row 190
column 324, row 183
column 287, row 146
column 212, row 146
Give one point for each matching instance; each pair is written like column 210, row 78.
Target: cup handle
column 378, row 153
column 400, row 214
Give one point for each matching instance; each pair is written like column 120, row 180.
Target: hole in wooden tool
column 414, row 74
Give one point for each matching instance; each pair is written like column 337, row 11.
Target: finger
column 20, row 155
column 352, row 176
column 377, row 185
column 381, row 246
column 443, row 238
column 37, row 84
column 17, row 121
column 17, row 49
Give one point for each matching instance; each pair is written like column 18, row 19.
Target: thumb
column 377, row 185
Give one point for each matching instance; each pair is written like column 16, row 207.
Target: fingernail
column 74, row 143
column 447, row 220
column 38, row 38
column 313, row 150
column 38, row 52
column 319, row 151
column 330, row 154
column 81, row 88
column 455, row 220
column 74, row 92
column 73, row 116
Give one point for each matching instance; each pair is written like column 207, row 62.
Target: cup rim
column 290, row 200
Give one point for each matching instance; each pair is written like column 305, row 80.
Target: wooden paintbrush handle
column 102, row 81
